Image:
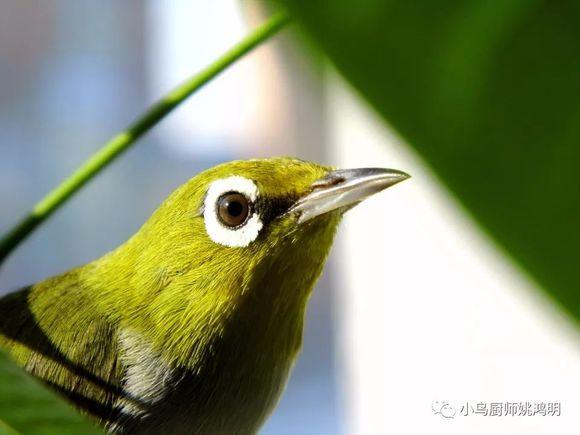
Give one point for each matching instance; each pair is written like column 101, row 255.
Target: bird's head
column 244, row 233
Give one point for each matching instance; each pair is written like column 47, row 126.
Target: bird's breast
column 233, row 391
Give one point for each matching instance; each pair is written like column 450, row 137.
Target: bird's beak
column 343, row 189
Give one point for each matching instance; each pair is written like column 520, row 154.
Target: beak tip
column 393, row 176
column 403, row 176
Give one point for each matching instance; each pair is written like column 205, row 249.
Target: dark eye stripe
column 271, row 208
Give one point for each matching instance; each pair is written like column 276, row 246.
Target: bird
column 193, row 325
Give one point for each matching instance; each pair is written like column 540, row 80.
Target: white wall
column 431, row 311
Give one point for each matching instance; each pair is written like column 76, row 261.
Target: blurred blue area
column 73, row 73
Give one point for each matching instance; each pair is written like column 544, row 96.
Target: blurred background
column 415, row 306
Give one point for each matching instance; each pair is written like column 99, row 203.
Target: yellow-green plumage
column 173, row 332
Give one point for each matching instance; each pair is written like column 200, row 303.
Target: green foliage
column 29, row 408
column 488, row 92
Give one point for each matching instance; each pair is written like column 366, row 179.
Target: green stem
column 120, row 143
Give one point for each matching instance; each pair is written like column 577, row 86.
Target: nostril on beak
column 331, row 180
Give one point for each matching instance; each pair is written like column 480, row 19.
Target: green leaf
column 5, row 429
column 488, row 92
column 27, row 407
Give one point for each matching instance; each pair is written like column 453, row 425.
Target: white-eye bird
column 192, row 326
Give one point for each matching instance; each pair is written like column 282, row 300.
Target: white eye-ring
column 229, row 214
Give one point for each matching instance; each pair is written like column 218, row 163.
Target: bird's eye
column 229, row 213
column 233, row 209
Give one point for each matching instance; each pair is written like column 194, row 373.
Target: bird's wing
column 55, row 333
